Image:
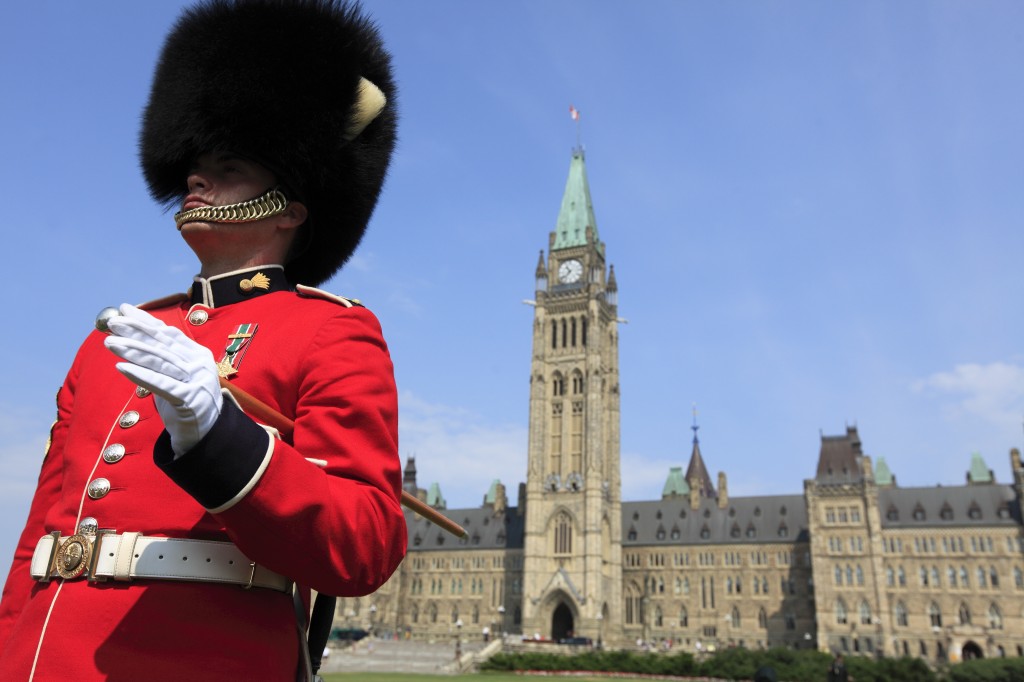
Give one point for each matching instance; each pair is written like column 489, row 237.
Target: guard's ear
column 294, row 216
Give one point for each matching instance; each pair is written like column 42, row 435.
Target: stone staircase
column 406, row 656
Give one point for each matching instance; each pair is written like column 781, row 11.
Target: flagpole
column 574, row 113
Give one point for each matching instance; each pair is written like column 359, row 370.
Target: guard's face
column 221, row 178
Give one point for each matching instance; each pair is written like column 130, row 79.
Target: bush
column 987, row 670
column 600, row 661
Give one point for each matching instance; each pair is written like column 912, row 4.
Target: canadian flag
column 574, row 112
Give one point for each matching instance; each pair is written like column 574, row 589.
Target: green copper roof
column 577, row 213
column 675, row 484
column 434, row 497
column 979, row 473
column 492, row 492
column 882, row 474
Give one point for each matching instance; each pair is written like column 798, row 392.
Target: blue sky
column 813, row 209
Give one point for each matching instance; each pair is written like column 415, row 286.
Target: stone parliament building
column 854, row 563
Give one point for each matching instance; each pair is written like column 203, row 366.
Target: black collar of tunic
column 238, row 286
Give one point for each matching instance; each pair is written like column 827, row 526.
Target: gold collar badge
column 258, row 281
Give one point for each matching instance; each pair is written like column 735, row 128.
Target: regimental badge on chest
column 234, row 351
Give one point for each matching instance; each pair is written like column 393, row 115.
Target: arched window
column 860, row 575
column 935, row 615
column 583, row 334
column 572, row 341
column 554, row 334
column 476, row 614
column 982, row 576
column 1018, row 577
column 840, row 612
column 415, row 614
column 564, row 334
column 686, row 586
column 762, row 619
column 901, row 614
column 657, row 616
column 951, row 576
column 684, row 617
column 432, row 611
column 865, row 613
column 839, row 575
column 735, row 617
column 890, row 576
column 993, row 577
column 632, row 596
column 901, row 576
column 563, row 534
column 965, row 615
column 995, row 618
column 964, row 582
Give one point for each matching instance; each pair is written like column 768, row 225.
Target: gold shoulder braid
column 270, row 204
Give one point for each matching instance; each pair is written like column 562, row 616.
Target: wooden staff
column 272, row 417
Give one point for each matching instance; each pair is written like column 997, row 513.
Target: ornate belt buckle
column 79, row 553
column 74, row 556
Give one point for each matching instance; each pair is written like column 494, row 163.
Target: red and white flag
column 574, row 112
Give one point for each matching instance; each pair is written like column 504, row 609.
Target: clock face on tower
column 570, row 271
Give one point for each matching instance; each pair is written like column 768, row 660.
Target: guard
column 174, row 535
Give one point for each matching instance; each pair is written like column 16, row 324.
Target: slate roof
column 745, row 520
column 949, row 506
column 486, row 531
column 839, row 459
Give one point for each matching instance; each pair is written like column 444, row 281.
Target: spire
column 409, row 476
column 696, row 471
column 577, row 213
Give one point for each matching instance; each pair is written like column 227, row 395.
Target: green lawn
column 477, row 677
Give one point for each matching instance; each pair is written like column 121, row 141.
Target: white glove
column 180, row 372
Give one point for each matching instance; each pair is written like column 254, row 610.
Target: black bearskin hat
column 277, row 81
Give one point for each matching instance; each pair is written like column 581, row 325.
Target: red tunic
column 334, row 525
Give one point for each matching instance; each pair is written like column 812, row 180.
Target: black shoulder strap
column 320, row 628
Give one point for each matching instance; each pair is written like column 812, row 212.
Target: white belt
column 127, row 556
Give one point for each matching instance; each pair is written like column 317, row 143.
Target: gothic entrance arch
column 562, row 623
column 971, row 650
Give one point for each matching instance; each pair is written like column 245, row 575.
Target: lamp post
column 600, row 630
column 373, row 614
column 501, row 617
column 458, row 640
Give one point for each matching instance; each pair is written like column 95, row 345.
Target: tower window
column 583, row 331
column 554, row 334
column 573, row 331
column 564, row 335
column 563, row 534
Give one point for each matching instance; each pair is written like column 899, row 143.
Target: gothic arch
column 559, row 610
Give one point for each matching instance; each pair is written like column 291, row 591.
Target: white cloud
column 455, row 447
column 643, row 478
column 992, row 392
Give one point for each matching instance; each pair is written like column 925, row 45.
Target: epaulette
column 313, row 292
column 173, row 299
